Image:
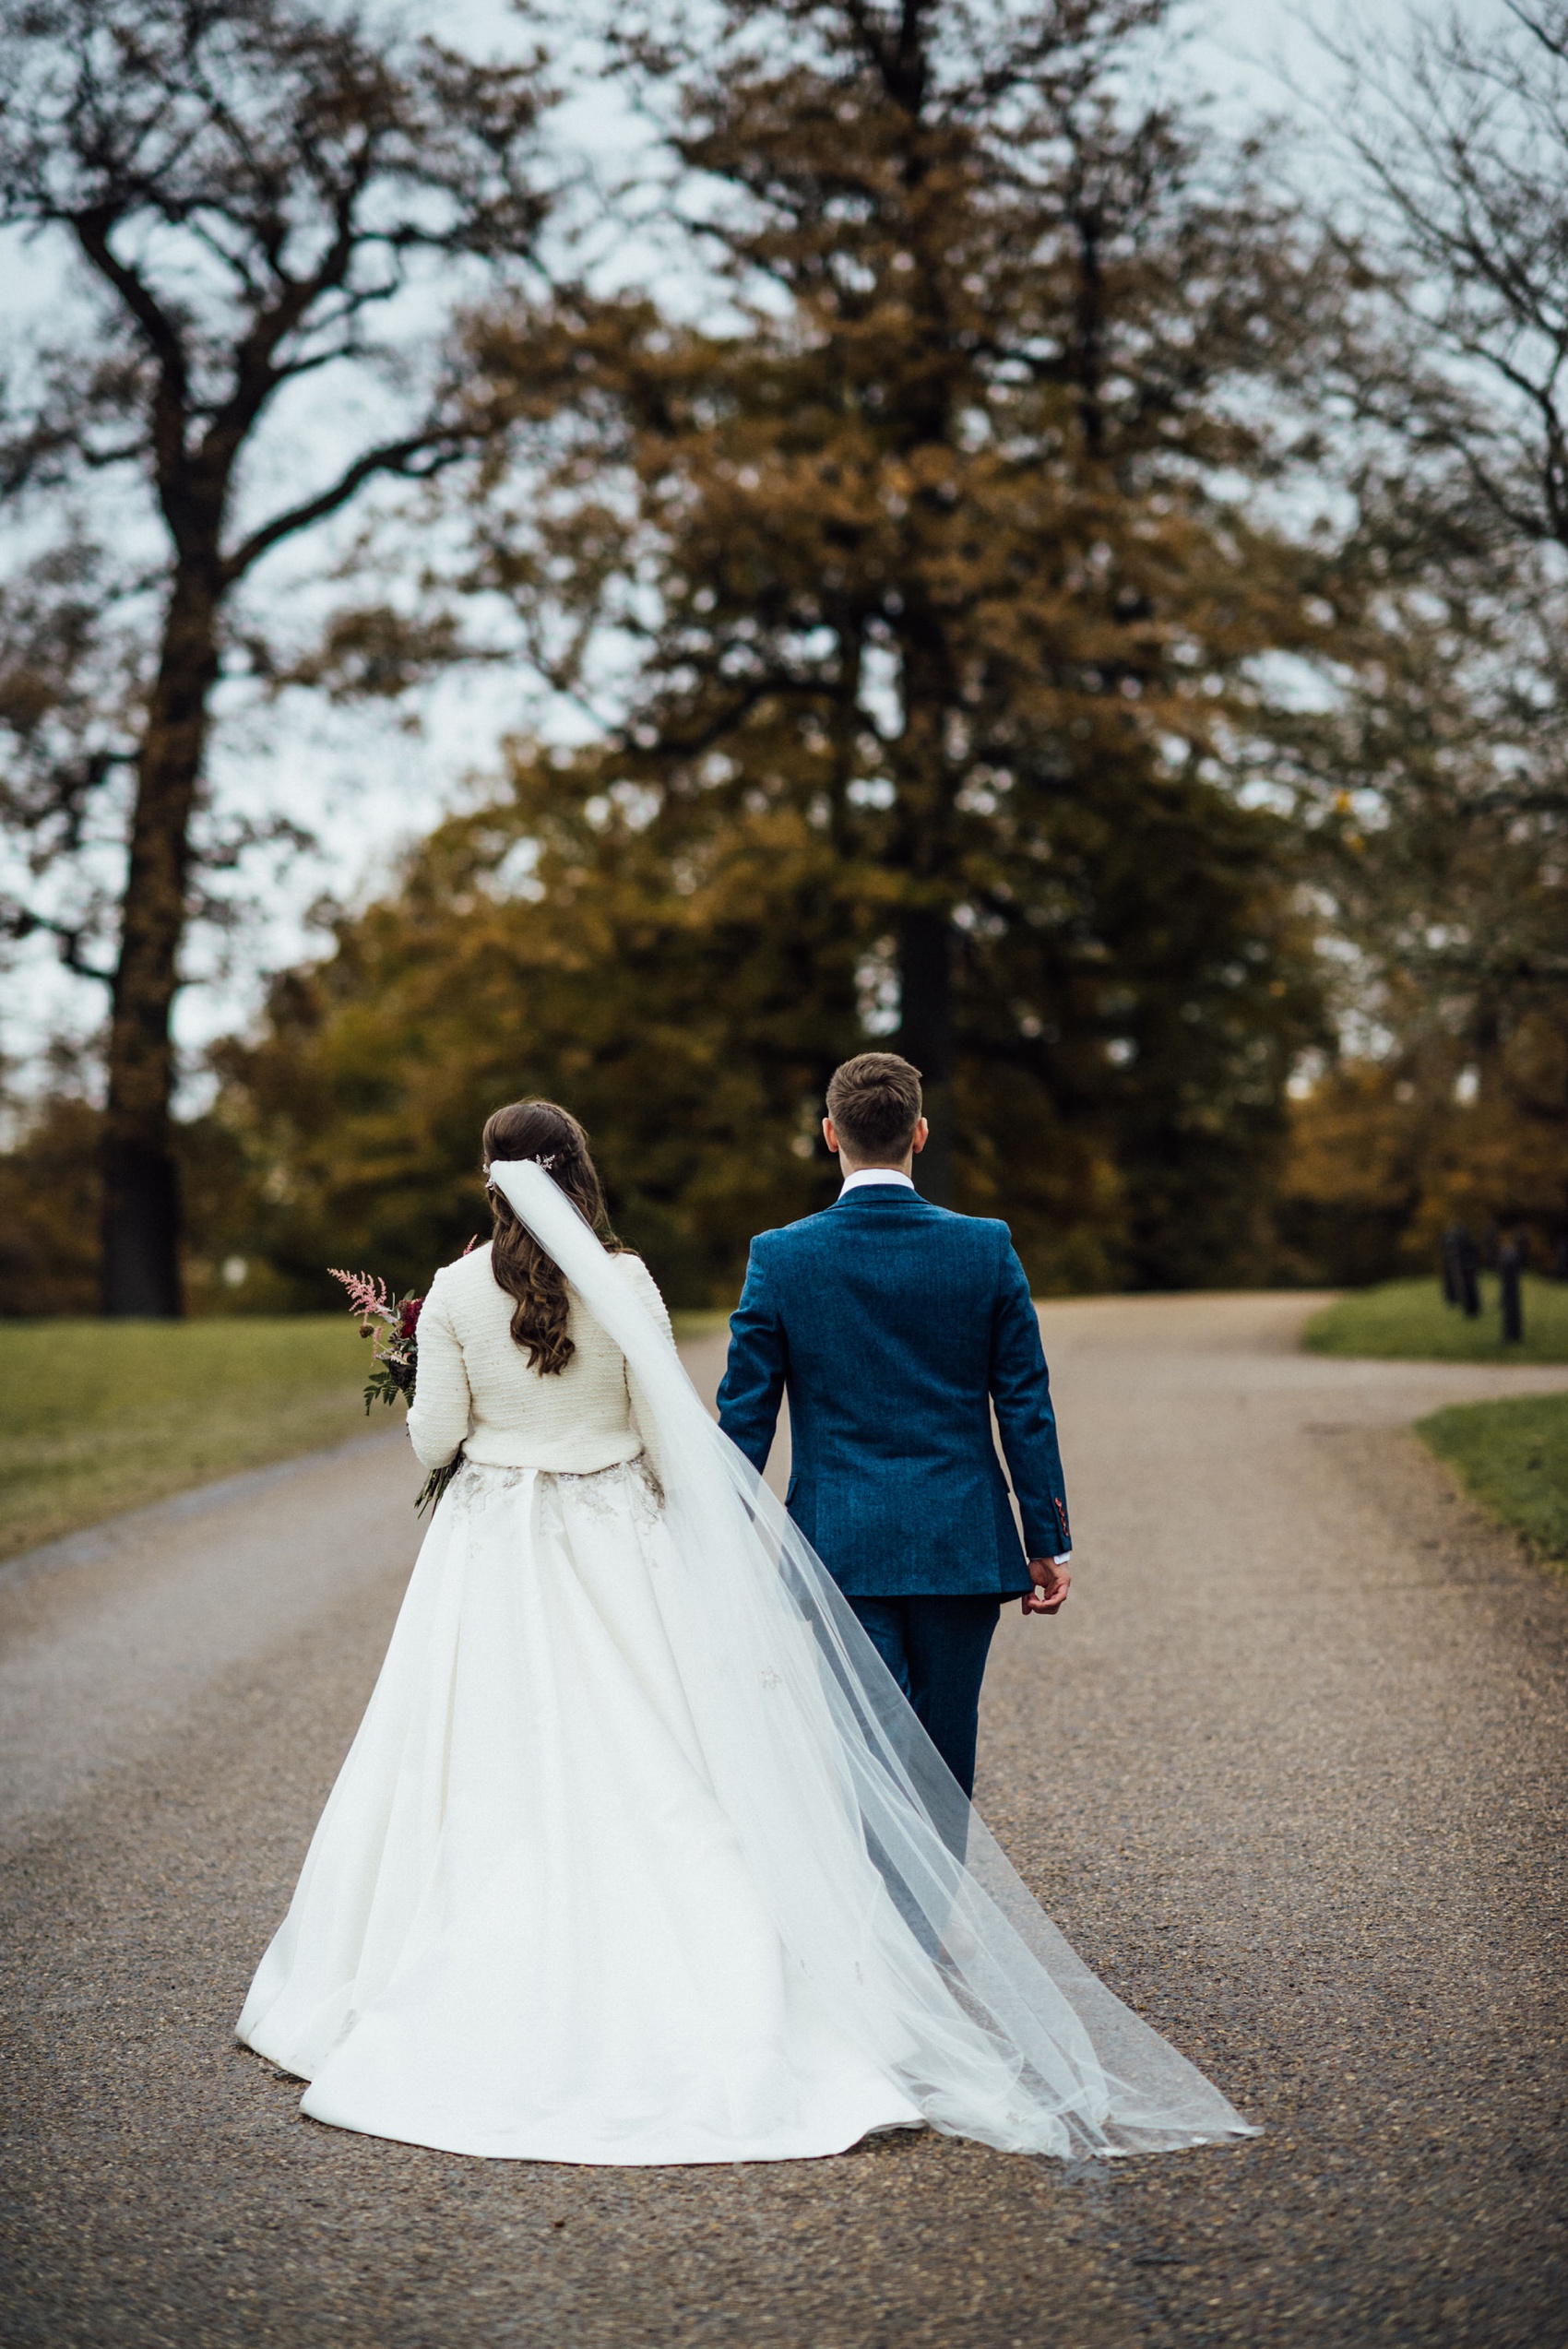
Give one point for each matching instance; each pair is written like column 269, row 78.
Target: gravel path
column 1291, row 1771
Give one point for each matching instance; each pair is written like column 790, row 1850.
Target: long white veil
column 886, row 1889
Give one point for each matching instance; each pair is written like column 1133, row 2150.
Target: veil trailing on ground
column 888, row 1892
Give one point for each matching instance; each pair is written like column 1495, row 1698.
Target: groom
column 895, row 1327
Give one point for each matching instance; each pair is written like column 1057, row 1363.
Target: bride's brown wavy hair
column 538, row 1130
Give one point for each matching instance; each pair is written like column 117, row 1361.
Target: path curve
column 1291, row 1769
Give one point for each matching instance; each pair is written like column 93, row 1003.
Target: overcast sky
column 367, row 786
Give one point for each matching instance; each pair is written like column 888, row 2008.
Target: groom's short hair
column 874, row 1102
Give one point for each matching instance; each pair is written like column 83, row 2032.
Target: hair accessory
column 547, row 1165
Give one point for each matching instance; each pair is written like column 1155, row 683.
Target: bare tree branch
column 418, row 458
column 248, row 182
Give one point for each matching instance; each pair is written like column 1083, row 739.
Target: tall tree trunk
column 925, row 854
column 925, row 1036
column 141, row 1208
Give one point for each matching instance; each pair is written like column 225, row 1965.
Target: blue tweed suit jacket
column 894, row 1327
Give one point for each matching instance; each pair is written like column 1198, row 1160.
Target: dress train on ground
column 525, row 1927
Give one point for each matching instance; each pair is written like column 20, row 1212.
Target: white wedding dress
column 640, row 1856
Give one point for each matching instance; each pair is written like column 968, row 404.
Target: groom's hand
column 1051, row 1584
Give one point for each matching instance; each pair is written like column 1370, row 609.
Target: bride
column 639, row 1854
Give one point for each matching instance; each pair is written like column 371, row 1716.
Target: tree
column 683, row 1023
column 1463, row 142
column 1462, row 138
column 935, row 541
column 1439, row 773
column 1440, row 856
column 48, row 1208
column 246, row 184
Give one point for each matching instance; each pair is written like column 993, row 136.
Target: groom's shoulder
column 971, row 1236
column 940, row 1225
column 785, row 1238
column 971, row 1227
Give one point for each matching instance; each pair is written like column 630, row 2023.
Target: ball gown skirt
column 525, row 1927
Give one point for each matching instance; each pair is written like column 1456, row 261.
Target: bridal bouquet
column 392, row 1325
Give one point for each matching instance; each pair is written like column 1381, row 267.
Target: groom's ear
column 919, row 1137
column 829, row 1136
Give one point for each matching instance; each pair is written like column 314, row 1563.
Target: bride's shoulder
column 636, row 1274
column 470, row 1270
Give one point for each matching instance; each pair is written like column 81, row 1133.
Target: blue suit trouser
column 935, row 1649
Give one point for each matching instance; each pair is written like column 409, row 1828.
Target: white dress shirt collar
column 875, row 1174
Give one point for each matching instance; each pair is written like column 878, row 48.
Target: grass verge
column 701, row 1323
column 97, row 1417
column 1514, row 1457
column 1407, row 1321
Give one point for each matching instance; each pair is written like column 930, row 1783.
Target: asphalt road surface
column 1291, row 1771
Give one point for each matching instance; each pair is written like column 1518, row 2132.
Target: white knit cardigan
column 475, row 1387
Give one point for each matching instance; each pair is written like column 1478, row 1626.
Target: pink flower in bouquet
column 368, row 1298
column 392, row 1325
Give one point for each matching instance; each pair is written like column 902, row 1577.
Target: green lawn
column 1514, row 1457
column 1407, row 1320
column 97, row 1416
column 698, row 1323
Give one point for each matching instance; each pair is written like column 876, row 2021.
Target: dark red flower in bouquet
column 392, row 1325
